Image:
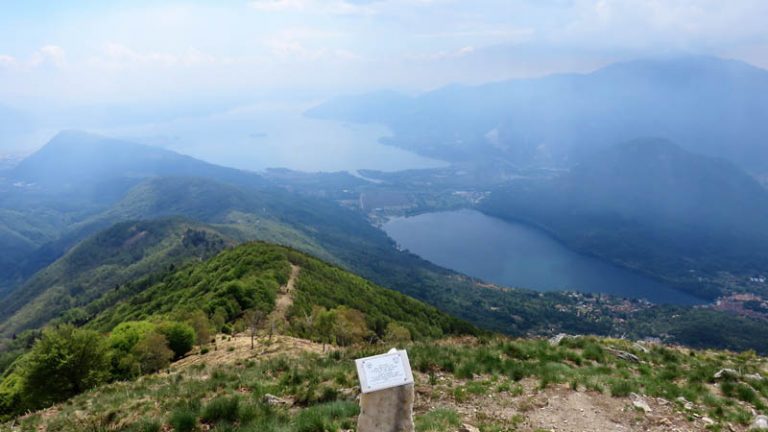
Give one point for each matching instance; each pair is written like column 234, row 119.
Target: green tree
column 64, row 362
column 152, row 353
column 219, row 318
column 181, row 337
column 199, row 322
column 11, row 391
column 397, row 334
column 127, row 334
column 351, row 328
column 324, row 324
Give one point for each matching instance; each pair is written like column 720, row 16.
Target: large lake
column 518, row 255
column 276, row 135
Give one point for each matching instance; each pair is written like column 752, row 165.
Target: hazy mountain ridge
column 654, row 207
column 124, row 253
column 346, row 238
column 707, row 105
column 244, row 213
column 80, row 158
column 73, row 178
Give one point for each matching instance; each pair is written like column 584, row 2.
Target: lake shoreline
column 661, row 291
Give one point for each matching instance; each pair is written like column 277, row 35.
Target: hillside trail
column 556, row 409
column 230, row 349
column 284, row 299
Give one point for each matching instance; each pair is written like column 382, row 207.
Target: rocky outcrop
column 624, row 355
column 726, row 373
column 273, row 400
column 760, row 423
column 639, row 403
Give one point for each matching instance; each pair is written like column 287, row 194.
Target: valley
column 166, row 247
column 336, row 217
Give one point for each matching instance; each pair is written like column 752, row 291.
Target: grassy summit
column 493, row 384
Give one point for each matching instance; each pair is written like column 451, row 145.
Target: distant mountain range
column 707, row 105
column 79, row 184
column 75, row 159
column 68, row 252
column 71, row 179
column 57, row 220
column 654, row 207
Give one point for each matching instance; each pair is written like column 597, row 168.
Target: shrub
column 517, row 371
column 181, row 337
column 622, row 388
column 745, row 393
column 223, row 408
column 127, row 334
column 200, row 323
column 183, row 420
column 152, row 353
column 227, row 329
column 593, row 351
column 466, row 370
column 728, row 388
column 64, row 362
column 397, row 334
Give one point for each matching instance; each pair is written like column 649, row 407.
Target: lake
column 517, row 255
column 256, row 137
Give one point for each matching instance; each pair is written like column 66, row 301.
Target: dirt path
column 557, row 409
column 238, row 347
column 284, row 298
column 563, row 410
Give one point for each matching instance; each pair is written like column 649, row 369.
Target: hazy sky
column 80, row 52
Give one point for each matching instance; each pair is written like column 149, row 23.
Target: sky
column 88, row 51
column 65, row 56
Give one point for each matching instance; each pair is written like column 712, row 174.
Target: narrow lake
column 518, row 255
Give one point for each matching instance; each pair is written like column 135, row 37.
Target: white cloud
column 291, row 49
column 294, row 50
column 49, row 55
column 676, row 24
column 333, row 7
column 308, row 44
column 7, row 61
column 444, row 55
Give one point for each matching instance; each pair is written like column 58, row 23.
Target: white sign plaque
column 384, row 371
